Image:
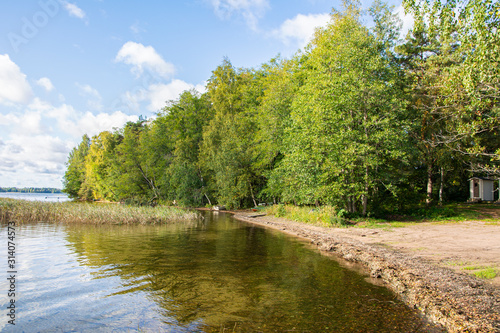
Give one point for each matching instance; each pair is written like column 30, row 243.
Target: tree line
column 360, row 119
column 30, row 190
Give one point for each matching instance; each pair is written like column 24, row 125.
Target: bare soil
column 423, row 263
column 465, row 247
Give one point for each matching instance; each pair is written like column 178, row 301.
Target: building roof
column 484, row 178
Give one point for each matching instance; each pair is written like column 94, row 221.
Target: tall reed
column 23, row 211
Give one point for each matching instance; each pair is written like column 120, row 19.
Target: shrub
column 280, row 211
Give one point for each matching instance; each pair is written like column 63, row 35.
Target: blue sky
column 84, row 66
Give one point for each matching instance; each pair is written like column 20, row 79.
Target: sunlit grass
column 325, row 215
column 23, row 211
column 482, row 272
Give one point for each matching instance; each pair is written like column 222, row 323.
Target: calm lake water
column 211, row 275
column 49, row 197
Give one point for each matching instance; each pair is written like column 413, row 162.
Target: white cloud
column 157, row 95
column 136, row 28
column 33, row 160
column 31, row 122
column 94, row 101
column 14, row 88
column 300, row 30
column 74, row 10
column 251, row 10
column 45, row 83
column 94, row 124
column 35, row 143
column 406, row 19
column 8, row 119
column 71, row 121
column 144, row 58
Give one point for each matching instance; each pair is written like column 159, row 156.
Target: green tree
column 453, row 68
column 98, row 166
column 280, row 83
column 74, row 176
column 227, row 156
column 134, row 178
column 346, row 122
column 186, row 119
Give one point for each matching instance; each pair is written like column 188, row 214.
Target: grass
column 323, row 216
column 333, row 217
column 23, row 211
column 482, row 272
column 487, row 273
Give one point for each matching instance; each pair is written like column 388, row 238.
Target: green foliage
column 345, row 120
column 74, row 178
column 324, row 216
column 359, row 120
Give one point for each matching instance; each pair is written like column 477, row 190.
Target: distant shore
column 30, row 190
column 458, row 302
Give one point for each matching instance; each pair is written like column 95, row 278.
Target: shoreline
column 457, row 302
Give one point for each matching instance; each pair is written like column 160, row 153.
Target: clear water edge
column 208, row 276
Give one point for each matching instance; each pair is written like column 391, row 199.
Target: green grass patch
column 482, row 272
column 488, row 273
column 23, row 211
column 324, row 216
column 332, row 216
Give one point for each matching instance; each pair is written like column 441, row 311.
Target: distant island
column 30, row 190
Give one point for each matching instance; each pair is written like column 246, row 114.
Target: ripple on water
column 217, row 275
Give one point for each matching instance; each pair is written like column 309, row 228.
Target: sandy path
column 453, row 245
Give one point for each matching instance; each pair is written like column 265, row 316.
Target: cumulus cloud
column 142, row 58
column 94, row 124
column 69, row 120
column 35, row 142
column 14, row 88
column 45, row 83
column 94, row 101
column 250, row 10
column 300, row 30
column 158, row 94
column 37, row 160
column 74, row 10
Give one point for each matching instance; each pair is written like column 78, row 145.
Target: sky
column 69, row 68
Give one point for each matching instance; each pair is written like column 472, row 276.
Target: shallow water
column 212, row 275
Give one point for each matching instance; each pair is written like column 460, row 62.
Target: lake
column 211, row 275
column 49, row 197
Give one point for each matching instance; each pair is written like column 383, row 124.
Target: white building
column 482, row 189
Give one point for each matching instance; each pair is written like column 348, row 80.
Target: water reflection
column 210, row 275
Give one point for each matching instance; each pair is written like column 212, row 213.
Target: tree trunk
column 428, row 201
column 209, row 202
column 441, row 187
column 253, row 197
column 365, row 195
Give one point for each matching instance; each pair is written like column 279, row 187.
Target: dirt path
column 465, row 247
column 422, row 263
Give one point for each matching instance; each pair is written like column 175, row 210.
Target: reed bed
column 22, row 211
